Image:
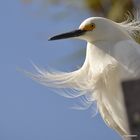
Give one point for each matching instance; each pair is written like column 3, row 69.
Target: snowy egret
column 112, row 56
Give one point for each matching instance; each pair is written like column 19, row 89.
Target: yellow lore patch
column 89, row 27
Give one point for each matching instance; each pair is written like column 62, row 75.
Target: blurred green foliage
column 112, row 9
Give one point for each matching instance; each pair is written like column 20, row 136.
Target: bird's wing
column 127, row 53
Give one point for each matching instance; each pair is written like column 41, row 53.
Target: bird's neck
column 104, row 45
column 100, row 48
column 97, row 54
column 94, row 51
column 97, row 60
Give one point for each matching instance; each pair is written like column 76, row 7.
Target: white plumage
column 112, row 56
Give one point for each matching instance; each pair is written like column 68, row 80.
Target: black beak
column 75, row 33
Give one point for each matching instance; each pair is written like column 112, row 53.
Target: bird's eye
column 93, row 25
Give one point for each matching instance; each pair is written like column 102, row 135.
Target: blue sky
column 28, row 110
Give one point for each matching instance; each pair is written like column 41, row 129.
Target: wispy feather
column 131, row 24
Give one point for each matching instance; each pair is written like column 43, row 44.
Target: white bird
column 112, row 56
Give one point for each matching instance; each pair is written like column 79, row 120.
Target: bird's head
column 94, row 29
